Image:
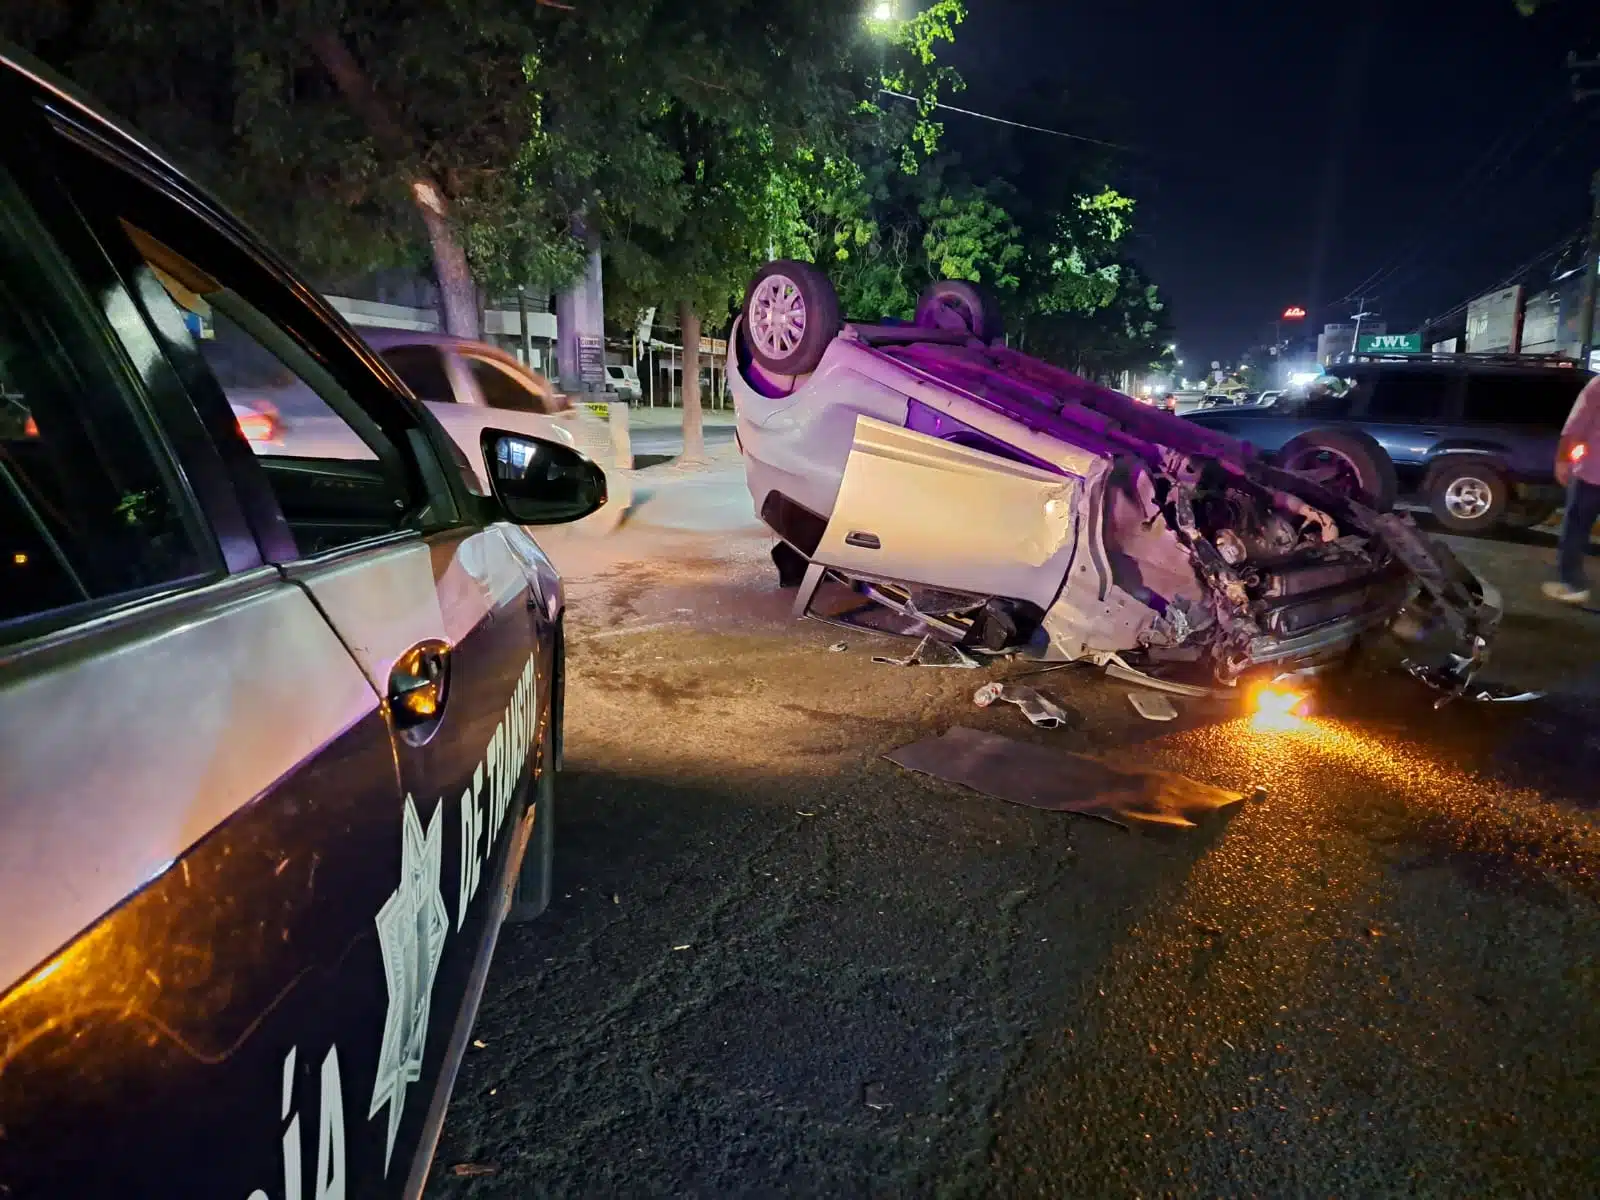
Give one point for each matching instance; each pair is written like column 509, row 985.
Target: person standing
column 1578, row 470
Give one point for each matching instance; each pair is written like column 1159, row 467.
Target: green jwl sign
column 1389, row 343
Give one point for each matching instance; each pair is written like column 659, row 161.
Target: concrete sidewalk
column 644, row 417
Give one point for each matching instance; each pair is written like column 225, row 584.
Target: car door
column 192, row 763
column 920, row 509
column 1406, row 411
column 1517, row 418
column 429, row 607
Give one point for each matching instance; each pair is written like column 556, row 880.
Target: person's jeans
column 1583, row 509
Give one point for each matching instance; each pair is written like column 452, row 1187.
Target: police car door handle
column 419, row 685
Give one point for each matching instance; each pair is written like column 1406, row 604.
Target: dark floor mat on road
column 1060, row 781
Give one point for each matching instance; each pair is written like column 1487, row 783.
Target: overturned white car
column 1005, row 505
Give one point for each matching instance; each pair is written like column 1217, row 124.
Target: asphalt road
column 777, row 964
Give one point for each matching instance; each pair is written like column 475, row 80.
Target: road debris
column 1040, row 710
column 479, row 1044
column 1033, row 775
column 1153, row 706
column 874, row 1097
column 467, row 1170
column 931, row 652
column 685, row 946
column 1258, row 794
column 838, row 647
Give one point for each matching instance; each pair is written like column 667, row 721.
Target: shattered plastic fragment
column 1153, row 706
column 931, row 652
column 1039, row 709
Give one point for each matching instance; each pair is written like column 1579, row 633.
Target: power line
column 1566, row 241
column 967, row 112
column 1408, row 266
column 1453, row 199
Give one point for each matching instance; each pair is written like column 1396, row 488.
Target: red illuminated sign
column 1294, row 313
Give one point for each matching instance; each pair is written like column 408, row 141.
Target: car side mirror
column 539, row 482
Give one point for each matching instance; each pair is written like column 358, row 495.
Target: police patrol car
column 275, row 732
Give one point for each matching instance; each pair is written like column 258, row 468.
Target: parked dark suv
column 1472, row 436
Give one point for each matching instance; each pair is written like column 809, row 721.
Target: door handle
column 419, row 685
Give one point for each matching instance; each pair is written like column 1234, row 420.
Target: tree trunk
column 694, row 437
column 458, row 296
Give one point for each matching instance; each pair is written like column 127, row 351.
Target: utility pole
column 1361, row 305
column 1580, row 95
column 1591, row 278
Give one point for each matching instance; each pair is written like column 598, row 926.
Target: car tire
column 790, row 317
column 1469, row 496
column 531, row 895
column 1356, row 462
column 956, row 304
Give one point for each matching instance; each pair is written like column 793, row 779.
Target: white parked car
column 625, row 381
column 466, row 384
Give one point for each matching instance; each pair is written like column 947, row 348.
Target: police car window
column 1406, row 395
column 1541, row 402
column 90, row 508
column 501, row 390
column 331, row 467
column 422, row 369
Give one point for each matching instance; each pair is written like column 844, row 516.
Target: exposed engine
column 1278, row 576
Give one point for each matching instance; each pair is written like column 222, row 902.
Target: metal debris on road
column 1153, row 706
column 1032, row 775
column 1457, row 681
column 931, row 652
column 1038, row 708
column 1116, row 668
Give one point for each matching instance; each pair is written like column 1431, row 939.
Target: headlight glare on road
column 1276, row 707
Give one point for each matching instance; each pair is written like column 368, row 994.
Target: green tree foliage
column 356, row 136
column 974, row 239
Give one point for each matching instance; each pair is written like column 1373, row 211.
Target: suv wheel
column 1347, row 462
column 1468, row 497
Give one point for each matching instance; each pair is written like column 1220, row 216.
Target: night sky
column 1287, row 152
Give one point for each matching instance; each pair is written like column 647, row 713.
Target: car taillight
column 30, row 427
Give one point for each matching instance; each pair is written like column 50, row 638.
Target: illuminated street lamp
column 883, row 10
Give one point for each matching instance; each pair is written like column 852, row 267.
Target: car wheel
column 956, row 304
column 1468, row 497
column 1346, row 462
column 531, row 896
column 791, row 315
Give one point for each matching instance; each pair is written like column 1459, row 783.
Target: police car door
column 194, row 772
column 441, row 621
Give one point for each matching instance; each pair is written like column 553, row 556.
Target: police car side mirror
column 539, row 482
